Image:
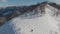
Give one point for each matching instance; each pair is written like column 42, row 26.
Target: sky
column 22, row 2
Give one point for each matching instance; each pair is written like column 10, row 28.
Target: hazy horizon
column 4, row 3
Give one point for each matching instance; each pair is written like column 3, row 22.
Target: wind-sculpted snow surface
column 6, row 29
column 39, row 25
column 40, row 20
column 52, row 21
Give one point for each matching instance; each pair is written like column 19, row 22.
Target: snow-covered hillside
column 38, row 21
column 38, row 25
column 6, row 29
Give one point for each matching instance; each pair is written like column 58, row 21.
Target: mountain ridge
column 10, row 12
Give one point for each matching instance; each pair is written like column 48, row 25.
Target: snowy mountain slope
column 6, row 29
column 41, row 25
column 26, row 25
column 36, row 21
column 52, row 21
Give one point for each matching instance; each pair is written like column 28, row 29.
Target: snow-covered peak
column 40, row 21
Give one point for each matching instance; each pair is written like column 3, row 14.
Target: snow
column 38, row 25
column 51, row 20
column 26, row 25
column 6, row 29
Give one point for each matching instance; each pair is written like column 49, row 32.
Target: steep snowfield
column 38, row 25
column 52, row 21
column 6, row 29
